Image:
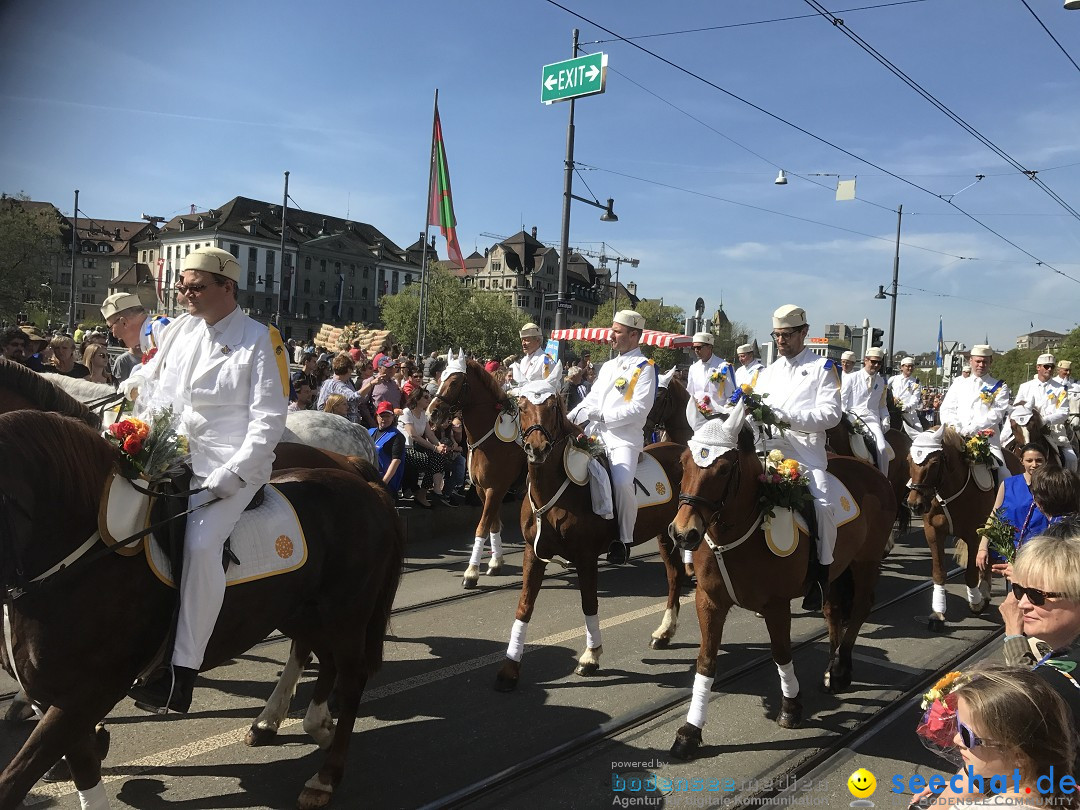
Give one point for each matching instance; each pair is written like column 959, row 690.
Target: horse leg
column 532, row 576
column 266, row 725
column 495, row 538
column 56, row 733
column 663, row 634
column 935, row 539
column 317, row 720
column 711, row 621
column 589, row 663
column 974, row 578
column 778, row 620
column 851, row 597
column 84, row 761
column 488, row 518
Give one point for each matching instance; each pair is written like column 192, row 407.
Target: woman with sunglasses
column 1010, row 721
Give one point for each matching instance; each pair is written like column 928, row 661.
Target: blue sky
column 150, row 108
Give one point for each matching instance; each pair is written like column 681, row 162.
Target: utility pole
column 281, row 280
column 568, row 188
column 74, row 256
column 895, row 279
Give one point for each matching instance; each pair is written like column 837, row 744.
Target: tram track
column 656, row 709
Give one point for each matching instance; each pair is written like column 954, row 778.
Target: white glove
column 129, row 387
column 223, row 482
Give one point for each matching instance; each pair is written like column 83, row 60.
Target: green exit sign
column 574, row 78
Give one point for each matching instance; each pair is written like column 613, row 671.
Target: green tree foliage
column 661, row 318
column 457, row 316
column 1018, row 365
column 29, row 239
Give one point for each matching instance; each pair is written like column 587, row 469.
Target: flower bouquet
column 152, row 450
column 1001, row 535
column 588, row 444
column 508, row 406
column 756, row 407
column 937, row 727
column 783, row 485
column 704, row 406
column 977, row 448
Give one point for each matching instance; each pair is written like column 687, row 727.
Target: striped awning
column 650, row 337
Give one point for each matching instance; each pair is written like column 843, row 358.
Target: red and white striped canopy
column 650, row 337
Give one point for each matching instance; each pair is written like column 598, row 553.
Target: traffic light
column 876, row 336
column 957, row 364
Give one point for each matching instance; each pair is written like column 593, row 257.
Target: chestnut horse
column 77, row 646
column 494, row 464
column 945, row 494
column 669, row 412
column 1033, row 431
column 561, row 513
column 21, row 387
column 719, row 504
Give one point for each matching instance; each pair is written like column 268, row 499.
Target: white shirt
column 618, row 401
column 906, row 392
column 804, row 391
column 1049, row 398
column 700, row 382
column 417, row 425
column 745, row 375
column 965, row 409
column 863, row 394
column 534, row 366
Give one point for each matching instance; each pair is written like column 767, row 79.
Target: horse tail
column 379, row 619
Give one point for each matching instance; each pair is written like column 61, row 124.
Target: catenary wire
column 1047, row 30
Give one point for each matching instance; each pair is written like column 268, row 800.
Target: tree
column 29, row 242
column 657, row 316
column 483, row 322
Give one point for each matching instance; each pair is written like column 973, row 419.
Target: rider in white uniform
column 132, row 325
column 907, row 394
column 617, row 405
column 534, row 364
column 749, row 366
column 804, row 390
column 978, row 402
column 863, row 395
column 1045, row 393
column 226, row 376
column 710, row 381
column 847, row 363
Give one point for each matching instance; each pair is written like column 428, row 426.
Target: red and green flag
column 442, row 203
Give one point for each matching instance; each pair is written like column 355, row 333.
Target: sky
column 150, row 109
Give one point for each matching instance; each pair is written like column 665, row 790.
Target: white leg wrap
column 496, row 544
column 314, row 783
column 687, row 556
column 477, row 550
column 974, row 595
column 592, row 632
column 516, row 646
column 94, row 798
column 789, row 684
column 937, row 602
column 700, row 700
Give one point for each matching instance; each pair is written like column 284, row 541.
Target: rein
column 943, row 502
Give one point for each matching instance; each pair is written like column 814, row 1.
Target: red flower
column 132, row 445
column 148, row 356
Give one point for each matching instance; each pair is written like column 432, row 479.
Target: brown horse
column 20, row 387
column 1032, row 432
column 494, row 463
column 78, row 647
column 838, row 440
column 719, row 504
column 945, row 493
column 669, row 413
column 557, row 515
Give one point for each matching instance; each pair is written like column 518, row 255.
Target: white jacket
column 863, row 394
column 744, row 375
column 700, row 386
column 965, row 409
column 535, row 366
column 620, row 399
column 804, row 391
column 1049, row 398
column 907, row 392
column 232, row 403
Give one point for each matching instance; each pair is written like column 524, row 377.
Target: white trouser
column 882, row 446
column 819, row 488
column 202, row 584
column 623, row 458
column 1069, row 455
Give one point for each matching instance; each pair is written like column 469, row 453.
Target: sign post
column 573, row 78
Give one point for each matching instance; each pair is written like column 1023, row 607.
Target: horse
column 76, row 646
column 719, row 504
column 495, row 459
column 559, row 513
column 946, row 493
column 1032, row 431
column 22, row 387
column 838, row 440
column 669, row 411
column 328, row 431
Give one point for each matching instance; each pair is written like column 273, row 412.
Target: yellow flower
column 620, row 383
column 747, row 388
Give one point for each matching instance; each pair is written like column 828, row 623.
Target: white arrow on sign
column 551, row 82
column 591, row 73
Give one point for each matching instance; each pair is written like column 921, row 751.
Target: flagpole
column 421, row 313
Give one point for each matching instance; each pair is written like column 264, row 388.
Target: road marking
column 43, row 792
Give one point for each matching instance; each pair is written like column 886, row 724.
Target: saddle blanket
column 844, row 509
column 268, row 541
column 651, row 485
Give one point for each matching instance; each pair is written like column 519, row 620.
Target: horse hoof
column 312, row 799
column 59, row 772
column 20, row 709
column 687, row 741
column 936, row 623
column 468, row 583
column 977, row 609
column 835, row 683
column 259, row 736
column 504, row 683
column 587, row 670
column 102, row 741
column 660, row 643
column 790, row 713
column 494, row 566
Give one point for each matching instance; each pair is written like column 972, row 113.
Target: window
column 408, row 279
column 307, row 285
column 322, row 288
column 89, row 264
column 522, row 301
column 65, row 279
column 363, row 292
column 352, row 291
column 352, row 271
column 87, row 298
column 307, row 262
column 496, row 267
column 307, row 309
column 482, row 284
column 251, row 302
column 337, row 267
column 168, row 253
column 351, row 316
column 322, row 310
column 234, row 249
column 89, row 280
column 365, row 272
column 322, row 265
column 187, row 250
column 536, row 303
column 269, row 304
column 251, row 278
column 253, row 258
column 363, row 312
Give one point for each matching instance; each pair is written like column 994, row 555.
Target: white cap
column 213, row 260
column 908, row 361
column 746, row 348
column 849, row 355
column 789, row 316
column 703, row 337
column 875, row 352
column 530, row 330
column 627, row 317
column 118, row 302
column 966, row 367
column 1065, row 364
column 1045, row 360
column 981, row 350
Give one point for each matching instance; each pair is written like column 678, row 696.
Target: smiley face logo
column 862, row 784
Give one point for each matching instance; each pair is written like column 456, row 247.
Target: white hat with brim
column 629, row 318
column 981, row 350
column 118, row 302
column 966, row 368
column 1065, row 364
column 908, row 361
column 213, row 260
column 789, row 316
column 530, row 330
column 1045, row 360
column 849, row 356
column 876, row 352
column 746, row 348
column 703, row 337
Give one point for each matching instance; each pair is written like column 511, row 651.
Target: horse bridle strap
column 718, row 552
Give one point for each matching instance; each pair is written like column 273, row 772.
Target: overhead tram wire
column 1039, row 262
column 1047, row 30
column 940, row 105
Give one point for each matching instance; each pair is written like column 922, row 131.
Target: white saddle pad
column 983, row 475
column 124, row 511
column 267, row 541
column 651, row 484
column 782, row 532
column 844, row 507
column 858, row 447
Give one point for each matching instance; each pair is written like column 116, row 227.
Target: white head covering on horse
column 663, row 380
column 926, row 443
column 454, row 363
column 717, row 436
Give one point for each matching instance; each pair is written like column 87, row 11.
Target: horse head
column 710, row 467
column 453, row 386
column 927, row 462
column 542, row 418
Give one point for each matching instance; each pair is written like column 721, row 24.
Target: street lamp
column 881, row 294
column 618, row 261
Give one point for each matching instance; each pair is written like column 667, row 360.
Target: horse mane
column 486, row 380
column 43, row 393
column 57, row 454
column 746, row 440
column 952, row 440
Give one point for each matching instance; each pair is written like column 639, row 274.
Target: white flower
column 775, row 456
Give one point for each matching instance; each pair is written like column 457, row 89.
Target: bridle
column 543, row 431
column 455, row 403
column 705, row 506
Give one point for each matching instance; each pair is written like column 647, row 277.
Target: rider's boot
column 618, row 552
column 170, row 690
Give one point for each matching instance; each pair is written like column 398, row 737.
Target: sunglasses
column 1034, row 595
column 969, row 738
column 784, row 335
column 188, row 289
column 1045, row 365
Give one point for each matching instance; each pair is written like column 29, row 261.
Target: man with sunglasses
column 710, row 382
column 130, row 323
column 863, row 396
column 804, row 390
column 749, row 366
column 979, row 402
column 534, row 364
column 1045, row 393
column 226, row 377
column 907, row 394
